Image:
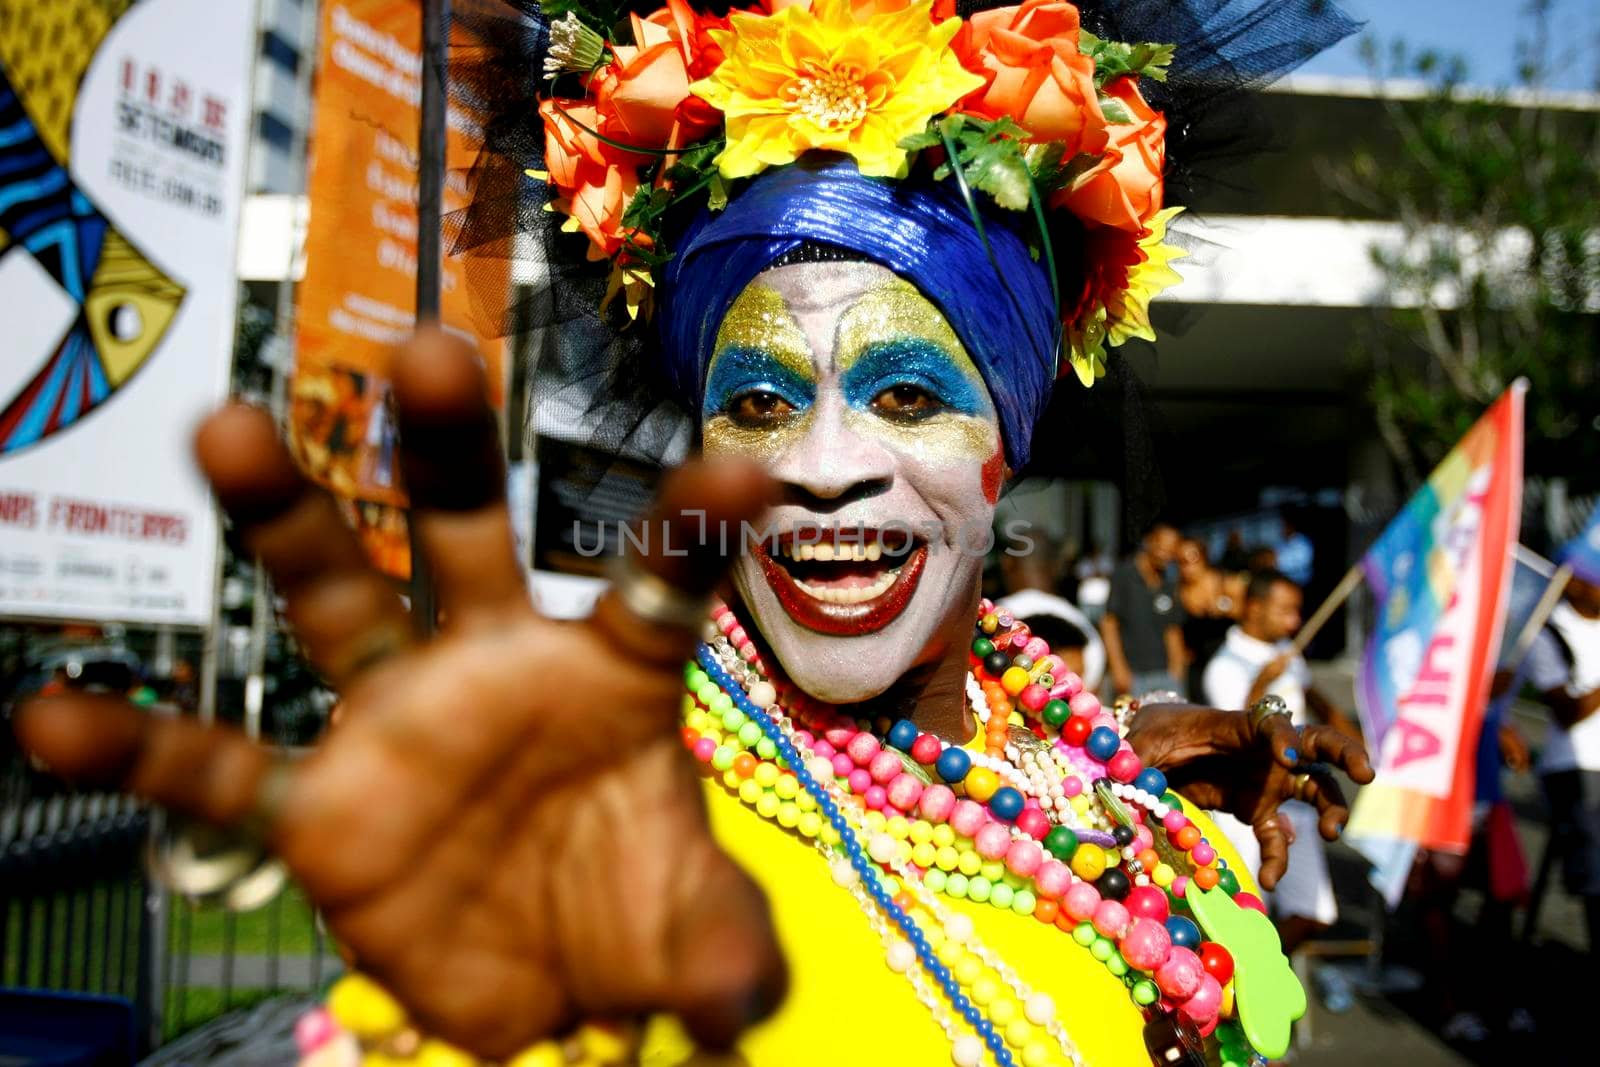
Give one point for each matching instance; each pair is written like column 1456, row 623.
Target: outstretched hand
column 505, row 830
column 1221, row 761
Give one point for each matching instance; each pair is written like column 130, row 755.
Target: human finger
column 1284, row 739
column 1274, row 849
column 1320, row 789
column 207, row 772
column 1324, row 744
column 454, row 470
column 729, row 973
column 346, row 615
column 690, row 535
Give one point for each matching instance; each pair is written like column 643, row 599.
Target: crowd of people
column 1171, row 621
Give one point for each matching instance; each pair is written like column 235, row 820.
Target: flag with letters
column 1439, row 576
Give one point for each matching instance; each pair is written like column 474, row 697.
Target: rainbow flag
column 1439, row 575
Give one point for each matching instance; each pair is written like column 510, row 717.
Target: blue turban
column 919, row 228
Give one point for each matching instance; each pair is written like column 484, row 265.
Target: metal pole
column 431, row 152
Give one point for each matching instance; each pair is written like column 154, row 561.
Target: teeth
column 852, row 596
column 872, row 551
column 824, row 551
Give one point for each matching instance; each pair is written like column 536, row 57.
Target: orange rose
column 1036, row 75
column 643, row 94
column 1125, row 188
column 594, row 180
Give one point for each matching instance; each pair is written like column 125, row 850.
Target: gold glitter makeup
column 941, row 441
column 721, row 436
column 760, row 319
column 893, row 311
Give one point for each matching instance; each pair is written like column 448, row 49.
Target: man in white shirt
column 1257, row 659
column 1564, row 666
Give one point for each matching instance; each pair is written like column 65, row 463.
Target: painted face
column 855, row 393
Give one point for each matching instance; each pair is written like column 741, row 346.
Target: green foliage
column 1498, row 273
column 1112, row 59
column 991, row 154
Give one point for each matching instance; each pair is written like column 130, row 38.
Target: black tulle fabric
column 597, row 380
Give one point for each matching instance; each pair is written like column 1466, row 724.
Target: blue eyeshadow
column 913, row 361
column 739, row 369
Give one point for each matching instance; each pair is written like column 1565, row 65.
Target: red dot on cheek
column 994, row 469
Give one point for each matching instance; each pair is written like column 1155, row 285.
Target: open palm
column 504, row 829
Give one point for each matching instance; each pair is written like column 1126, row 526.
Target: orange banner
column 358, row 298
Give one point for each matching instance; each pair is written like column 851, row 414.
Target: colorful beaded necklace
column 1056, row 817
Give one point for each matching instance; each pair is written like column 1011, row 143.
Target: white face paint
column 853, row 390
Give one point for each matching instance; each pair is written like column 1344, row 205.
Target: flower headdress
column 1020, row 104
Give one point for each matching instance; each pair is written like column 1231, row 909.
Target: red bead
column 1125, row 767
column 689, row 735
column 1033, row 696
column 1217, row 961
column 1250, row 900
column 1147, row 902
column 1076, row 731
column 1034, row 822
column 926, row 749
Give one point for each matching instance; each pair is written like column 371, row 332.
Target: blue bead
column 985, row 1028
column 972, row 1015
column 1002, row 1057
column 940, row 972
column 1103, row 743
column 953, row 764
column 902, row 735
column 1151, row 781
column 1183, row 931
column 1006, row 803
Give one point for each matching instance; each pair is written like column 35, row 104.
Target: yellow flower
column 852, row 76
column 1128, row 311
column 1122, row 309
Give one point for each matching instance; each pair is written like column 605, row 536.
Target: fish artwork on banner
column 1439, row 576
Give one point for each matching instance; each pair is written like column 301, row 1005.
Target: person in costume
column 872, row 818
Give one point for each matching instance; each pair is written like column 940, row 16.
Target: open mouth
column 845, row 581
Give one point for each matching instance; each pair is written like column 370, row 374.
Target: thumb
column 727, row 970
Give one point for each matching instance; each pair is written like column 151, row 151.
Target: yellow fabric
column 845, row 1007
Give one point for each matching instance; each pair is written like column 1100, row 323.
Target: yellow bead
column 1089, row 863
column 1163, row 875
column 1020, row 1033
column 786, row 787
column 359, row 1005
column 984, row 989
column 1227, row 1000
column 1004, row 1010
column 603, row 1044
column 544, row 1054
column 968, row 969
column 921, row 831
column 981, row 783
column 923, row 855
column 994, row 870
column 944, row 835
column 898, row 827
column 1035, row 1054
column 767, row 775
column 1113, row 857
column 945, row 858
column 749, row 792
column 806, row 801
column 969, row 864
column 767, row 805
column 809, row 824
column 1014, row 680
column 989, row 623
column 788, row 814
column 1080, row 803
column 828, row 835
column 731, row 779
column 687, row 708
column 439, row 1054
column 950, row 952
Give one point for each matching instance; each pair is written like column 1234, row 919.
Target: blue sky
column 1481, row 31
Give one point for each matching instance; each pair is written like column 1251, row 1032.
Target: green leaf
column 1115, row 110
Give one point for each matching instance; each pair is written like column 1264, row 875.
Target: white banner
column 124, row 132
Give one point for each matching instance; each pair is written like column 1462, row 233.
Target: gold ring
column 1301, row 781
column 231, row 866
column 653, row 599
column 1267, row 707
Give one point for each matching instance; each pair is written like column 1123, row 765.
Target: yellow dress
column 846, row 1007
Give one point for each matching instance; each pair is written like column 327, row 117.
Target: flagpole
column 1335, row 600
column 431, row 151
column 1539, row 616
